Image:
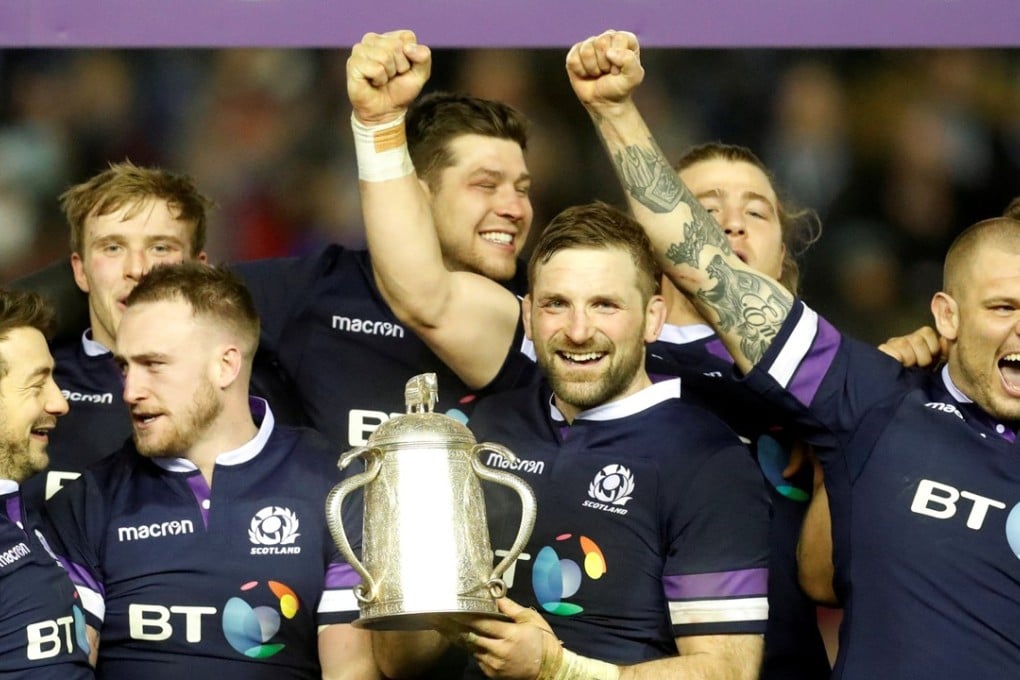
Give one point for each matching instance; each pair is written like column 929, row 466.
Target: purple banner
column 505, row 23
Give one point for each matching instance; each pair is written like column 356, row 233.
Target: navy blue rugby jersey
column 97, row 422
column 794, row 649
column 42, row 621
column 343, row 349
column 231, row 581
column 923, row 492
column 652, row 521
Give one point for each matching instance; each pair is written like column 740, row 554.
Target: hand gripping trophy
column 425, row 539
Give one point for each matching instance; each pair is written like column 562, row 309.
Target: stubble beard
column 589, row 393
column 196, row 420
column 18, row 461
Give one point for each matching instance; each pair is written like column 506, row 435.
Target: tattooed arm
column 745, row 307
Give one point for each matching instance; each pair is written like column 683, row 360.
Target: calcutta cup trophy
column 425, row 539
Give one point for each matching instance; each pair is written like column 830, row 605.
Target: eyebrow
column 41, row 372
column 523, row 177
column 145, row 356
column 747, row 195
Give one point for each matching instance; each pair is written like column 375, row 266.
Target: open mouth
column 1009, row 369
column 499, row 238
column 42, row 430
column 581, row 358
column 144, row 420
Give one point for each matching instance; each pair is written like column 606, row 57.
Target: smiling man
column 920, row 466
column 42, row 633
column 654, row 496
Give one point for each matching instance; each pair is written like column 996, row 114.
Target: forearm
column 406, row 258
column 718, row 657
column 744, row 306
column 407, row 654
column 815, row 570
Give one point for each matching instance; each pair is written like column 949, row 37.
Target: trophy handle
column 497, row 587
column 366, row 590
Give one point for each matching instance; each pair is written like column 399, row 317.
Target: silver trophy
column 425, row 539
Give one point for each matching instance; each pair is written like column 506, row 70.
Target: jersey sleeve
column 716, row 573
column 827, row 381
column 75, row 522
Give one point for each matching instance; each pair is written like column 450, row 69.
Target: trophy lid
column 421, row 425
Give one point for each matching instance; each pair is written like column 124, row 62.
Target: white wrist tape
column 570, row 666
column 381, row 150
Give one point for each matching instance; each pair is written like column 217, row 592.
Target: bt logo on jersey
column 250, row 629
column 249, row 623
column 555, row 579
column 939, row 500
column 47, row 639
column 361, row 423
column 942, row 501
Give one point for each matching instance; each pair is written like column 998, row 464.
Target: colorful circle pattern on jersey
column 249, row 629
column 1013, row 529
column 773, row 458
column 554, row 579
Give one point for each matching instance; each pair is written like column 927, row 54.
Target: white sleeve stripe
column 719, row 611
column 92, row 601
column 337, row 601
column 796, row 347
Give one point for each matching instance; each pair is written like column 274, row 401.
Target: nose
column 579, row 329
column 56, row 403
column 135, row 264
column 133, row 392
column 732, row 222
column 512, row 204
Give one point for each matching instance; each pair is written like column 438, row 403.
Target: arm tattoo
column 701, row 231
column 647, row 177
column 749, row 305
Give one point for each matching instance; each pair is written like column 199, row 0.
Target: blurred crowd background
column 896, row 150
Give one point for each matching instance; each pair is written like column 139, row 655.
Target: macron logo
column 945, row 408
column 104, row 398
column 383, row 328
column 155, row 530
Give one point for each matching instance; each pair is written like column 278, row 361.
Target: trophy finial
column 421, row 393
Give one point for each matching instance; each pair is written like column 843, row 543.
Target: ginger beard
column 175, row 433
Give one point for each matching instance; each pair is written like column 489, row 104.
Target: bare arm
column 527, row 649
column 744, row 306
column 468, row 320
column 345, row 653
column 405, row 654
column 92, row 635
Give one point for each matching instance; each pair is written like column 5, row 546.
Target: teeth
column 1012, row 357
column 499, row 237
column 587, row 356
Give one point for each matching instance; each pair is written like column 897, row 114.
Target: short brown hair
column 1000, row 232
column 212, row 292
column 598, row 225
column 435, row 120
column 23, row 309
column 126, row 184
column 800, row 226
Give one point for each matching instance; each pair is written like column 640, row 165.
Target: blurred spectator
column 896, row 149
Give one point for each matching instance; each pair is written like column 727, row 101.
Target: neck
column 233, row 428
column 679, row 310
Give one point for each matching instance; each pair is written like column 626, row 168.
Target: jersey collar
column 656, row 393
column 260, row 411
